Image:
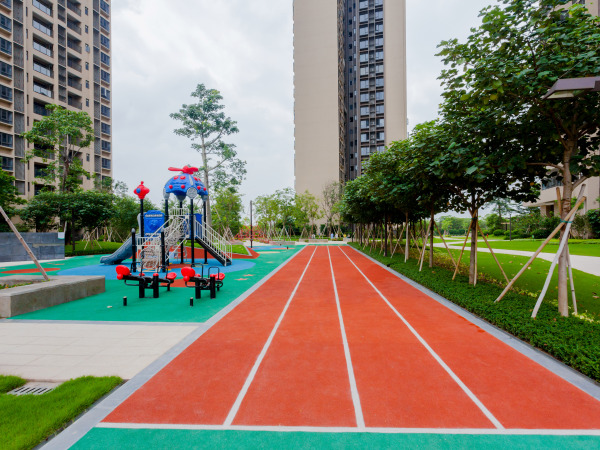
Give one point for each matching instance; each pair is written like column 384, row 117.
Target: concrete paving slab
column 58, row 352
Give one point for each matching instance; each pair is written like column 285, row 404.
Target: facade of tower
column 54, row 52
column 349, row 86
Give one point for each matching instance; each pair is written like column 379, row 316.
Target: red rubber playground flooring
column 334, row 340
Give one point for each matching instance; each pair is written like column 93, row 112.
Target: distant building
column 349, row 86
column 54, row 52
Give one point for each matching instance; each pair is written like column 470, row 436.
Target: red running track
column 278, row 359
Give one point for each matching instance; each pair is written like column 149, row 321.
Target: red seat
column 171, row 276
column 187, row 273
column 122, row 271
column 218, row 276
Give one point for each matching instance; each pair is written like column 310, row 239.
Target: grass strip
column 9, row 382
column 572, row 340
column 27, row 420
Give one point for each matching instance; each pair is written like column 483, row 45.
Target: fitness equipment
column 145, row 282
column 212, row 283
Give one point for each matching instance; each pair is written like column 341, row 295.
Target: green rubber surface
column 173, row 306
column 103, row 438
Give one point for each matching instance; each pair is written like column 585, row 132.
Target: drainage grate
column 33, row 389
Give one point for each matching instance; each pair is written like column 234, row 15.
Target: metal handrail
column 218, row 242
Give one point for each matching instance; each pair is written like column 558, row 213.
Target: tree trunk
column 385, row 232
column 563, row 301
column 473, row 261
column 208, row 218
column 431, row 225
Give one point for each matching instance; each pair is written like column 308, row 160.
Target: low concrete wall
column 40, row 295
column 318, row 241
column 43, row 246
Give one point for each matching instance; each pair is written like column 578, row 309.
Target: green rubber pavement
column 173, row 306
column 103, row 438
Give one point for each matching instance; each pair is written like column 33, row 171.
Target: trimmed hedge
column 572, row 340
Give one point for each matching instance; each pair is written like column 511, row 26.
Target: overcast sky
column 162, row 50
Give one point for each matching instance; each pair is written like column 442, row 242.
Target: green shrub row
column 96, row 251
column 572, row 340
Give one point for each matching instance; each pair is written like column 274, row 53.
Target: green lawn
column 587, row 286
column 588, row 247
column 28, row 420
column 92, row 248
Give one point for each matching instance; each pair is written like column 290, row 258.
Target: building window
column 106, row 59
column 364, row 151
column 364, row 137
column 105, row 163
column 86, row 10
column 363, row 31
column 7, row 164
column 6, row 93
column 379, row 82
column 379, row 95
column 105, row 128
column 5, row 22
column 105, row 76
column 379, row 68
column 87, row 48
column 104, row 93
column 364, row 124
column 379, row 28
column 379, row 54
column 87, row 102
column 43, row 68
column 104, row 7
column 104, row 24
column 87, row 66
column 379, row 109
column 87, row 84
column 364, row 70
column 364, row 97
column 42, row 7
column 379, row 122
column 364, row 111
column 106, row 146
column 87, row 30
column 364, row 57
column 363, row 4
column 6, row 116
column 364, row 44
column 378, row 15
column 380, row 136
column 6, row 140
column 363, row 18
column 5, row 46
column 105, row 111
column 40, row 108
column 104, row 41
column 44, row 48
column 379, row 41
column 43, row 89
column 43, row 27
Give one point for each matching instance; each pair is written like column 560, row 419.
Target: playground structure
column 162, row 236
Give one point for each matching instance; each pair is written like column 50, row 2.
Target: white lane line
column 360, row 421
column 252, row 374
column 307, row 429
column 445, row 366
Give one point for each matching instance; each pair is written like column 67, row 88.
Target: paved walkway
column 588, row 264
column 57, row 351
column 335, row 350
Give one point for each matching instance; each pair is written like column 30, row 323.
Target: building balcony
column 74, row 7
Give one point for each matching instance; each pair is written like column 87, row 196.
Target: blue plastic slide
column 122, row 253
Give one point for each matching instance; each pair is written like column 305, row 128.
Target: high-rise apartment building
column 54, row 52
column 349, row 86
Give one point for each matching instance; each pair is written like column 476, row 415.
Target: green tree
column 331, row 197
column 311, row 212
column 9, row 198
column 504, row 69
column 58, row 139
column 205, row 123
column 126, row 209
column 228, row 210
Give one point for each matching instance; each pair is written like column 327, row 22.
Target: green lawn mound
column 28, row 420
